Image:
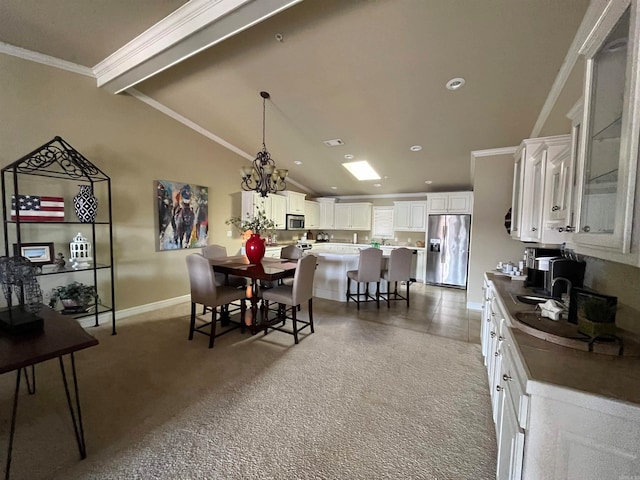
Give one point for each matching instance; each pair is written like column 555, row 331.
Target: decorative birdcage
column 80, row 249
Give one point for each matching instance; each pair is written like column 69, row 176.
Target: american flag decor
column 33, row 208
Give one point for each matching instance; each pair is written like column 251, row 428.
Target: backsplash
column 622, row 281
column 346, row 236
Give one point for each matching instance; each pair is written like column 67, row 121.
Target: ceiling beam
column 194, row 27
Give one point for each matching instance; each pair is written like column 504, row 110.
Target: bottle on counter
column 355, row 237
column 309, row 235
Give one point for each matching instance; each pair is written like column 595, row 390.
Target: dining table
column 267, row 270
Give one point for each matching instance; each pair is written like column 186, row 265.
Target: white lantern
column 80, row 250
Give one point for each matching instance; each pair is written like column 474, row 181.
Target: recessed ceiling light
column 361, row 170
column 377, row 185
column 348, row 156
column 455, row 83
column 415, row 148
column 386, row 177
column 428, row 182
column 334, row 188
column 297, row 162
column 333, row 142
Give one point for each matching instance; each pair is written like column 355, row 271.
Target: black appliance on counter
column 581, row 295
column 563, row 268
column 536, row 276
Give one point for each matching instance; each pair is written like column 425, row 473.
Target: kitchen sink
column 531, row 299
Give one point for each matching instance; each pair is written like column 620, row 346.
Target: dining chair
column 218, row 251
column 205, row 292
column 291, row 252
column 289, row 299
column 369, row 269
column 398, row 270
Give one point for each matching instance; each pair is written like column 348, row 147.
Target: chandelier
column 263, row 177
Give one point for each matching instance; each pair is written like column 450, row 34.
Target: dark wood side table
column 61, row 336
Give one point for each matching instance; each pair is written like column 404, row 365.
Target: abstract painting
column 182, row 212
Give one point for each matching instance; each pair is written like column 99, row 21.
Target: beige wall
column 490, row 242
column 134, row 145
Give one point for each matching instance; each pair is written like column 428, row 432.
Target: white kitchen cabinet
column 608, row 154
column 252, row 201
column 449, row 202
column 421, row 266
column 522, row 184
column 410, row 216
column 279, row 211
column 557, row 198
column 382, row 222
column 311, row 214
column 295, row 202
column 327, row 221
column 516, row 199
column 352, row 216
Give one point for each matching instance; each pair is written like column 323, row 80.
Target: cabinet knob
column 497, row 354
column 569, row 228
column 493, row 334
column 586, row 228
column 560, row 229
column 555, row 208
column 534, row 229
column 500, row 338
column 499, row 388
column 506, row 377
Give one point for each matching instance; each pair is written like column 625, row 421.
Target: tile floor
column 440, row 311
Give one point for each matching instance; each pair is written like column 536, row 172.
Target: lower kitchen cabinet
column 546, row 425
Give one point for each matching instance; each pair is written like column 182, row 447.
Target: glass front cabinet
column 606, row 173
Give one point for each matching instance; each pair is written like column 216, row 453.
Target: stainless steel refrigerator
column 448, row 250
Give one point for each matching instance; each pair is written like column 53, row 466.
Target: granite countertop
column 549, row 364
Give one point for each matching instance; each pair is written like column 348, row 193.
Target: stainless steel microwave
column 295, row 222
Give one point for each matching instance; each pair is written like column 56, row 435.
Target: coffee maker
column 537, row 270
column 563, row 268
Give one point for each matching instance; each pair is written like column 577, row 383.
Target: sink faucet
column 565, row 300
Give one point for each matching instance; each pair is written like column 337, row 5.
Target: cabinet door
column 459, row 203
column 516, row 201
column 361, row 216
column 401, row 215
column 608, row 156
column 533, row 196
column 418, row 216
column 437, row 203
column 279, row 211
column 311, row 214
column 421, row 266
column 510, row 442
column 342, row 219
column 327, row 215
column 383, row 222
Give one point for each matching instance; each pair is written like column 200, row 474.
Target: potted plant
column 596, row 317
column 75, row 296
column 252, row 229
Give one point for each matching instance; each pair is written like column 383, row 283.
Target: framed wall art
column 38, row 253
column 182, row 215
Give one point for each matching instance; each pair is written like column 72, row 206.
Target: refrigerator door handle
column 443, row 247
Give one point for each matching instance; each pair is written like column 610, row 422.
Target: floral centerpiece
column 260, row 224
column 252, row 229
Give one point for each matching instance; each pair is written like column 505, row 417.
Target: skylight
column 361, row 170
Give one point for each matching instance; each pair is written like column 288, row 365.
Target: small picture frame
column 38, row 253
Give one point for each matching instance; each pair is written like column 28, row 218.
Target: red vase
column 254, row 248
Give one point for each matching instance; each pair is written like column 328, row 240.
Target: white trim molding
column 192, row 28
column 45, row 59
column 490, row 152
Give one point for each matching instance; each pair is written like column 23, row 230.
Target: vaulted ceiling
column 371, row 73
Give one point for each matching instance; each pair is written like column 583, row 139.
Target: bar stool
column 369, row 267
column 399, row 270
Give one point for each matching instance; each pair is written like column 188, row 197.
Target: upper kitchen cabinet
column 352, row 216
column 252, row 201
column 279, row 211
column 295, row 202
column 608, row 153
column 449, row 202
column 409, row 216
column 311, row 214
column 327, row 221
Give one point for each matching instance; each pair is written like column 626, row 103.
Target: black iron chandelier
column 263, row 177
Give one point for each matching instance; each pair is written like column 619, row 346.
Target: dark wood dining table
column 268, row 270
column 60, row 336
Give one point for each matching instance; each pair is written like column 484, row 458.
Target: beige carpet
column 356, row 400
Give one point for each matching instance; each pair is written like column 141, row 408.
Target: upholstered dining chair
column 218, row 251
column 205, row 292
column 369, row 269
column 290, row 297
column 398, row 270
column 291, row 252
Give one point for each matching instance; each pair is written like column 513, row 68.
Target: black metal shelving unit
column 57, row 159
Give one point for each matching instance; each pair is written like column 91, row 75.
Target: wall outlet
column 366, row 237
column 229, row 233
column 409, row 239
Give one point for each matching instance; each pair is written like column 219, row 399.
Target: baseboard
column 474, row 305
column 129, row 312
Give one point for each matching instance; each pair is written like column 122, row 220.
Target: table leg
column 13, row 423
column 77, row 425
column 31, row 385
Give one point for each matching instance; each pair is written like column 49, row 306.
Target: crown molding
column 590, row 20
column 380, row 195
column 192, row 28
column 490, row 152
column 202, row 131
column 44, row 59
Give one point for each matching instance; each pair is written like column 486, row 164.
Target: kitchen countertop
column 549, row 364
